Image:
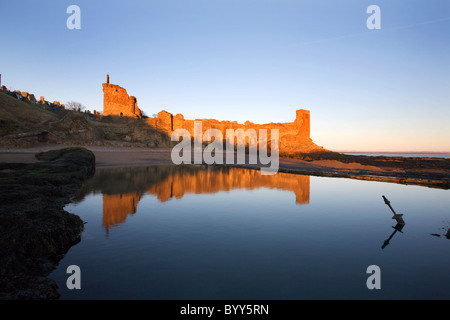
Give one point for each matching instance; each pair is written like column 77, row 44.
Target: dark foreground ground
column 35, row 231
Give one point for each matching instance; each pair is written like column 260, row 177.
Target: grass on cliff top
column 18, row 116
column 52, row 114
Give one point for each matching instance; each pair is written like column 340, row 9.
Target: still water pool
column 229, row 233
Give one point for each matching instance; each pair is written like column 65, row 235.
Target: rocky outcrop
column 424, row 171
column 35, row 231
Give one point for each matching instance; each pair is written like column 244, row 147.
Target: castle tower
column 117, row 102
column 133, row 105
column 302, row 120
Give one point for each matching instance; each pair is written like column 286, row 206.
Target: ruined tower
column 117, row 102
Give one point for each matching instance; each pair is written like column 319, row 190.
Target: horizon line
column 396, row 152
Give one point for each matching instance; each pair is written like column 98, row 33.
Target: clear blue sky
column 257, row 60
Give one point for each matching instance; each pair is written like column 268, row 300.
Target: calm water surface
column 211, row 233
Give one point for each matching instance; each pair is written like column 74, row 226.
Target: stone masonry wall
column 294, row 136
column 117, row 102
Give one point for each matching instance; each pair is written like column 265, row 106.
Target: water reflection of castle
column 123, row 188
column 117, row 207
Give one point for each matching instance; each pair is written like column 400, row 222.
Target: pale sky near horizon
column 257, row 60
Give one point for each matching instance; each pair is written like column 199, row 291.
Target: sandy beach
column 106, row 157
column 110, row 157
column 115, row 157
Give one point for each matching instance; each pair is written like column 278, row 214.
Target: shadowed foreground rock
column 35, row 231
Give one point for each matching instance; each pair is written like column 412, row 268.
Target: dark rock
column 35, row 231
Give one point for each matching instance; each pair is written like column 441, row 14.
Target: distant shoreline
column 394, row 152
column 431, row 172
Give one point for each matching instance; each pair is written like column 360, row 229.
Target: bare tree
column 75, row 106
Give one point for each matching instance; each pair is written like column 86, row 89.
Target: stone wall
column 117, row 102
column 294, row 136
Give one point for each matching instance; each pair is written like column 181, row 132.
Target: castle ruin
column 117, row 102
column 294, row 136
